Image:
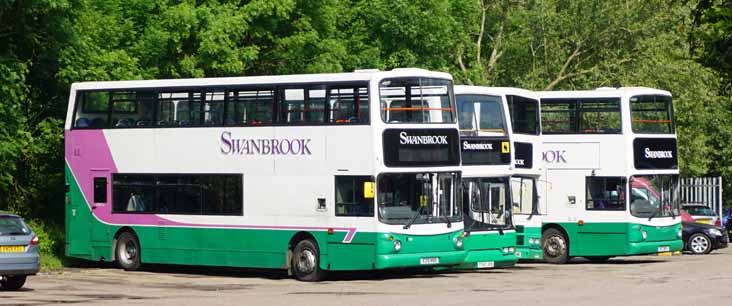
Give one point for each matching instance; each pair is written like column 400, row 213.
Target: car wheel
column 128, row 252
column 12, row 282
column 555, row 246
column 699, row 244
column 306, row 262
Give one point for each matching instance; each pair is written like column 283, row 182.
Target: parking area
column 644, row 280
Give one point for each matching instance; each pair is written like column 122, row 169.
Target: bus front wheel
column 128, row 252
column 306, row 261
column 555, row 246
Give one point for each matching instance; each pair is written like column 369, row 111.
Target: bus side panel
column 359, row 254
column 214, row 246
column 598, row 239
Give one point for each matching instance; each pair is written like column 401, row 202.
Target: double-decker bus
column 309, row 173
column 527, row 185
column 487, row 164
column 612, row 167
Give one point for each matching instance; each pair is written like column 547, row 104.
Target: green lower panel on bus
column 528, row 244
column 619, row 239
column 88, row 238
column 489, row 249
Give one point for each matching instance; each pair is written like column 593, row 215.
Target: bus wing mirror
column 368, row 190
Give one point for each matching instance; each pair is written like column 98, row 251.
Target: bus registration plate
column 486, row 264
column 12, row 249
column 429, row 260
column 664, row 248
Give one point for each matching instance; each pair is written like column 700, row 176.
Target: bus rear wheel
column 306, row 261
column 555, row 246
column 128, row 252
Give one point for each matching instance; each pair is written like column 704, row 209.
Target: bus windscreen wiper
column 653, row 214
column 447, row 220
column 414, row 218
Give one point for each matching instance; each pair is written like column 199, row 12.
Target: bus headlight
column 680, row 233
column 644, row 234
column 509, row 250
column 397, row 245
column 459, row 242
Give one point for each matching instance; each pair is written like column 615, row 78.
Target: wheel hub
column 699, row 244
column 129, row 252
column 554, row 246
column 306, row 261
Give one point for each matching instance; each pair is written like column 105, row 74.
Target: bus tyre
column 128, row 252
column 12, row 283
column 699, row 244
column 306, row 261
column 555, row 246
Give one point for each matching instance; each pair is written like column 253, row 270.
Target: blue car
column 19, row 255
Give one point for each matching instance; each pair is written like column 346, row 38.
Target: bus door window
column 486, row 202
column 523, row 195
column 605, row 193
column 351, row 198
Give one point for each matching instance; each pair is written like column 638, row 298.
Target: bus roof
column 603, row 92
column 469, row 89
column 358, row 75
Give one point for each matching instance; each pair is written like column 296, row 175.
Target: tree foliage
column 45, row 45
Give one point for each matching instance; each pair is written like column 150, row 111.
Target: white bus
column 309, row 173
column 527, row 183
column 612, row 170
column 487, row 166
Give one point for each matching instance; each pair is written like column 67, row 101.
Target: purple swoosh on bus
column 87, row 152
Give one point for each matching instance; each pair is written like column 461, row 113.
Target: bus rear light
column 34, row 241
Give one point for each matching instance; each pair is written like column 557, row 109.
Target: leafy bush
column 51, row 244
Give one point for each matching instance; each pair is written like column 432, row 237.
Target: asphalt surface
column 641, row 280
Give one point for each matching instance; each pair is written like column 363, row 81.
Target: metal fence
column 706, row 190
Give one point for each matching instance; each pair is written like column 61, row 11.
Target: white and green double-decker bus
column 487, row 164
column 612, row 170
column 527, row 185
column 309, row 173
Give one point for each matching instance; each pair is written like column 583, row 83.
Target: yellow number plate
column 12, row 249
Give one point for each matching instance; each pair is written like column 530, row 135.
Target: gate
column 705, row 190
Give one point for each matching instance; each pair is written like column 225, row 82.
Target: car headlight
column 715, row 232
column 397, row 245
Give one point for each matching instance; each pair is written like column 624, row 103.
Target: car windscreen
column 12, row 225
